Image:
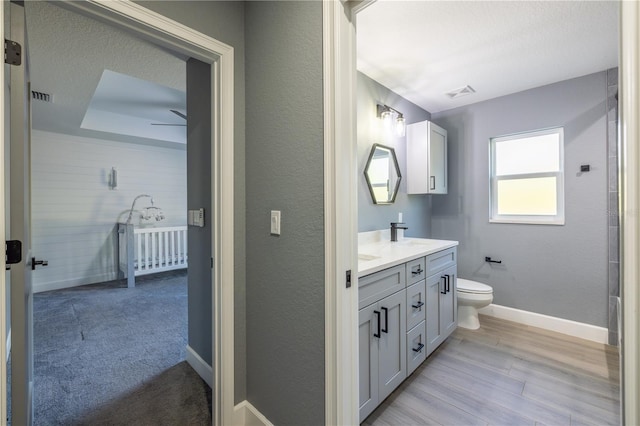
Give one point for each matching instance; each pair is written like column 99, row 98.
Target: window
column 527, row 178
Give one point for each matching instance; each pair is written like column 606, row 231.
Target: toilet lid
column 467, row 286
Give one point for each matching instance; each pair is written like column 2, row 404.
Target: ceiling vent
column 41, row 96
column 463, row 91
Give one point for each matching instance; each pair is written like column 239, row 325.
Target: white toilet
column 472, row 296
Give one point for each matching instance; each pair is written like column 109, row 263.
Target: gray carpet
column 108, row 355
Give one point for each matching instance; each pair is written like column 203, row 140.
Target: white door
column 19, row 121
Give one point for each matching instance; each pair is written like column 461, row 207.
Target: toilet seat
column 472, row 287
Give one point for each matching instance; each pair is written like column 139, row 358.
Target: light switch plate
column 275, row 222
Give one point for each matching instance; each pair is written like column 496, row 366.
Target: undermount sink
column 367, row 257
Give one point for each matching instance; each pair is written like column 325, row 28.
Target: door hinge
column 12, row 52
column 13, row 252
column 349, row 278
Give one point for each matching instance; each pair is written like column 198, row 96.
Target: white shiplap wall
column 74, row 213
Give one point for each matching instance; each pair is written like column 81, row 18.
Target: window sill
column 555, row 222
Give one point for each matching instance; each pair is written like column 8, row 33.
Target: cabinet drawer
column 416, row 270
column 416, row 347
column 441, row 260
column 374, row 287
column 416, row 307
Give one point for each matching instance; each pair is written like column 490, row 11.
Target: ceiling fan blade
column 178, row 113
column 166, row 124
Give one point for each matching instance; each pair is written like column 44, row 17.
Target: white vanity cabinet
column 426, row 158
column 398, row 308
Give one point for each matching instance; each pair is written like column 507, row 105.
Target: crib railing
column 150, row 250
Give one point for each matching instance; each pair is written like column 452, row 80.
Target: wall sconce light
column 385, row 112
column 113, row 178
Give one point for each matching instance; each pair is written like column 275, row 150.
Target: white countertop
column 375, row 252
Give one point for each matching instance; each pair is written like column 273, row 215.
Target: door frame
column 339, row 55
column 629, row 175
column 3, row 235
column 340, row 210
column 168, row 33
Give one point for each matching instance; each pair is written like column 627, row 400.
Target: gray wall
column 553, row 270
column 285, row 274
column 415, row 208
column 199, row 295
column 224, row 20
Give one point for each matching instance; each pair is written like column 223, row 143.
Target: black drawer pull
column 418, row 305
column 445, row 285
column 417, row 272
column 386, row 320
column 447, row 288
column 419, row 348
column 377, row 313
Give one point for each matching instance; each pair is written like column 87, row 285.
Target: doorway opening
column 218, row 141
column 462, row 214
column 107, row 154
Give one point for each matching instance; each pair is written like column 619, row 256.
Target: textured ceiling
column 67, row 56
column 424, row 49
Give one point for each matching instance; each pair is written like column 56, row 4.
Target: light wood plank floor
column 508, row 374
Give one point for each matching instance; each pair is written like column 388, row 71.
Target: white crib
column 149, row 250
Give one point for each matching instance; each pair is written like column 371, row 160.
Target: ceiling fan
column 178, row 113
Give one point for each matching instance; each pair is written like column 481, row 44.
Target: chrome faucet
column 394, row 230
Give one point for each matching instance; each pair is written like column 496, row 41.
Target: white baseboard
column 247, row 415
column 560, row 325
column 203, row 369
column 73, row 282
column 8, row 347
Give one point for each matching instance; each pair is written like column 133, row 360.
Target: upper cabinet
column 426, row 158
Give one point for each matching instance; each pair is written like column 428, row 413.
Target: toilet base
column 468, row 317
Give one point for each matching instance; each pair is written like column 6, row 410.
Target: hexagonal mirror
column 382, row 174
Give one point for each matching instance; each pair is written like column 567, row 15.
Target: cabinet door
column 417, row 153
column 449, row 303
column 392, row 361
column 434, row 335
column 369, row 323
column 437, row 160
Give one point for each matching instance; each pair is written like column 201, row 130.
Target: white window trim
column 494, row 217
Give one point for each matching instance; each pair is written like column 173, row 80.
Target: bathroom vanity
column 407, row 308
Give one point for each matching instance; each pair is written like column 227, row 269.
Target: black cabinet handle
column 386, row 320
column 418, row 305
column 447, row 289
column 377, row 313
column 419, row 348
column 417, row 272
column 445, row 285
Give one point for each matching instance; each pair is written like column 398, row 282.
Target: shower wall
column 614, row 224
column 74, row 212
